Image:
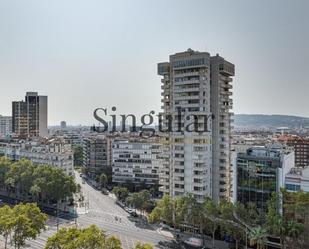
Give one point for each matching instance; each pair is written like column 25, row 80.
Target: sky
column 86, row 54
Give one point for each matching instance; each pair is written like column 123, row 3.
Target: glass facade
column 292, row 187
column 256, row 179
column 191, row 63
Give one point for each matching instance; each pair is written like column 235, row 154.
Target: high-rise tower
column 29, row 117
column 196, row 87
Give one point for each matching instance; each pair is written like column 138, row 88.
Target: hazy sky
column 85, row 54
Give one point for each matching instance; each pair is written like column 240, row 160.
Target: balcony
column 187, row 74
column 187, row 89
column 186, row 82
column 187, row 97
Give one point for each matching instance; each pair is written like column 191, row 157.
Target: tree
column 143, row 246
column 5, row 165
column 296, row 209
column 78, row 156
column 211, row 213
column 103, row 180
column 282, row 217
column 20, row 177
column 294, row 230
column 86, row 238
column 229, row 223
column 6, row 223
column 113, row 243
column 258, row 237
column 140, row 200
column 163, row 211
column 91, row 238
column 35, row 182
column 249, row 214
column 121, row 193
column 28, row 222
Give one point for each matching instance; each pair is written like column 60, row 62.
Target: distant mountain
column 270, row 121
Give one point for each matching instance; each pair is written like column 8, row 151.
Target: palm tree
column 294, row 230
column 258, row 236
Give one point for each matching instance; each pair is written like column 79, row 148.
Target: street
column 102, row 212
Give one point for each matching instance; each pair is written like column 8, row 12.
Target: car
column 165, row 226
column 104, row 192
column 134, row 214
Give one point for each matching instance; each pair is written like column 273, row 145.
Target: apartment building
column 95, row 151
column 297, row 179
column 29, row 117
column 197, row 87
column 5, row 126
column 260, row 172
column 46, row 152
column 301, row 148
column 137, row 160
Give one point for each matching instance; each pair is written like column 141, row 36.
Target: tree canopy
column 23, row 221
column 40, row 183
column 86, row 238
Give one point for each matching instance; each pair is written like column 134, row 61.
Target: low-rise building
column 260, row 172
column 297, row 179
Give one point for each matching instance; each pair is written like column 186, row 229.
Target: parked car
column 134, row 214
column 104, row 192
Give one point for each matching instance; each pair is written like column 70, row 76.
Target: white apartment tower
column 197, row 86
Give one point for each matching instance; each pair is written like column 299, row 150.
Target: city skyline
column 84, row 55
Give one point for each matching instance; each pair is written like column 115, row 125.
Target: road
column 102, row 212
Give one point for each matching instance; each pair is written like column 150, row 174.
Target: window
column 292, row 187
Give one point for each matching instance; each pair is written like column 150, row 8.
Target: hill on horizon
column 270, row 121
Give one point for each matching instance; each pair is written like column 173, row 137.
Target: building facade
column 46, row 152
column 63, row 125
column 5, row 126
column 197, row 87
column 29, row 117
column 297, row 179
column 301, row 148
column 95, row 154
column 137, row 161
column 260, row 172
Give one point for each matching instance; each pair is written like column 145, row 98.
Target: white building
column 297, row 179
column 136, row 160
column 5, row 126
column 194, row 83
column 50, row 152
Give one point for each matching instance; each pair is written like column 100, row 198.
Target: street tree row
column 35, row 183
column 91, row 237
column 245, row 224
